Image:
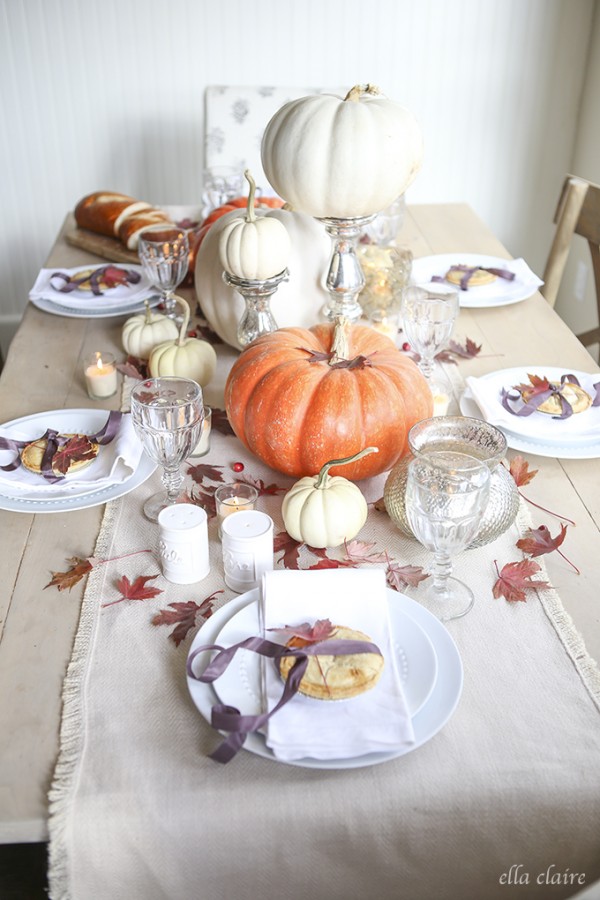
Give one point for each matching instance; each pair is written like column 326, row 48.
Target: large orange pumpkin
column 298, row 398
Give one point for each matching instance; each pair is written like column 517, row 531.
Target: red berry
column 406, row 346
column 192, row 334
column 238, row 467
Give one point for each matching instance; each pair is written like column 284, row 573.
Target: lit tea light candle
column 101, row 376
column 203, row 445
column 234, row 498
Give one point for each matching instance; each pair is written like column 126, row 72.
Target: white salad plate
column 500, row 292
column 62, row 499
column 432, row 685
column 93, row 312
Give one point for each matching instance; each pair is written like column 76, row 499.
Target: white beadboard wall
column 109, row 94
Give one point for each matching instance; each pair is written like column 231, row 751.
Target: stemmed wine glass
column 167, row 415
column 446, row 495
column 164, row 254
column 428, row 319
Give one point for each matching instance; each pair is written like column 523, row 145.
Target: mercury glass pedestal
column 460, row 434
column 257, row 318
column 345, row 279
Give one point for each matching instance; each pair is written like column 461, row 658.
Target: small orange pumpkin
column 298, row 398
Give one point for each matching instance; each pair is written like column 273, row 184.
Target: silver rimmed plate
column 433, row 714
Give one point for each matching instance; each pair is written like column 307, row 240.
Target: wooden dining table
column 44, row 371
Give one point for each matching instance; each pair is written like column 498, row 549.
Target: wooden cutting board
column 103, row 246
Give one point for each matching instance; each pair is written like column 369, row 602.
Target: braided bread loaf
column 117, row 215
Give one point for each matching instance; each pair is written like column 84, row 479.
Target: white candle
column 233, row 498
column 101, row 376
column 203, row 445
column 441, row 403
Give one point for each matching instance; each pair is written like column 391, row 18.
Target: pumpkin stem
column 321, row 481
column 186, row 319
column 250, row 213
column 148, row 318
column 339, row 347
column 354, row 94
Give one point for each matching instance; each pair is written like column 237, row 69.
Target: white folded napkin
column 114, row 297
column 114, row 463
column 487, row 394
column 375, row 721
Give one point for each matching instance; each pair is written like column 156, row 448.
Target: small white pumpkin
column 254, row 248
column 297, row 301
column 334, row 157
column 186, row 357
column 325, row 510
column 144, row 331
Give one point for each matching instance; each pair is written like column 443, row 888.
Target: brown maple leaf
column 205, row 499
column 538, row 541
column 315, row 356
column 290, row 547
column 66, row 580
column 400, row 577
column 515, row 578
column 220, row 422
column 203, row 470
column 363, row 552
column 468, row 351
column 77, row 449
column 262, row 488
column 136, row 590
column 520, row 471
column 183, row 616
column 305, row 634
column 134, row 367
column 327, row 562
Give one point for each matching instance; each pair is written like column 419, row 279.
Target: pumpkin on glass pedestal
column 298, row 398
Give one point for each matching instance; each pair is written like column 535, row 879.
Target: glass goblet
column 446, row 495
column 167, row 415
column 164, row 254
column 428, row 319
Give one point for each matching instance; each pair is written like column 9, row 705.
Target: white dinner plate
column 427, row 722
column 499, row 293
column 240, row 685
column 93, row 312
column 73, row 421
column 590, row 450
column 111, row 298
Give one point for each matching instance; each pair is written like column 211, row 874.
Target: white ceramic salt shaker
column 183, row 543
column 247, row 549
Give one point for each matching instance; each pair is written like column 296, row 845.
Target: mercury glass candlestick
column 257, row 318
column 345, row 279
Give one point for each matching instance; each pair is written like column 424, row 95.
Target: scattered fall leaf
column 400, row 577
column 290, row 548
column 515, row 578
column 520, row 471
column 262, row 488
column 136, row 590
column 220, row 422
column 363, row 552
column 205, row 499
column 183, row 616
column 204, row 470
column 206, row 333
column 66, row 580
column 134, row 367
column 537, row 541
column 468, row 351
column 305, row 634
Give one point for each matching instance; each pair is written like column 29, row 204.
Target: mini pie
column 478, row 278
column 32, row 455
column 86, row 285
column 336, row 677
column 578, row 399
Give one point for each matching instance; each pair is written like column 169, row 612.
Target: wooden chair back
column 578, row 212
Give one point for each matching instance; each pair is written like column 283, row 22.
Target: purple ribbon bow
column 54, row 440
column 72, row 282
column 468, row 271
column 536, row 400
column 228, row 718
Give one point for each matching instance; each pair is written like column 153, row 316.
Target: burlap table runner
column 138, row 810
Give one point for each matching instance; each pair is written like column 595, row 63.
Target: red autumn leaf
column 469, row 351
column 326, row 562
column 66, row 580
column 538, row 386
column 136, row 590
column 220, row 422
column 520, row 471
column 205, row 499
column 315, row 356
column 203, row 470
column 113, row 276
column 363, row 552
column 538, row 541
column 306, row 633
column 262, row 488
column 515, row 579
column 400, row 577
column 444, row 356
column 290, row 547
column 134, row 367
column 183, row 616
column 207, row 334
column 77, row 449
column 359, row 362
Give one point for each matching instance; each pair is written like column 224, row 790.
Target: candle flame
column 99, row 363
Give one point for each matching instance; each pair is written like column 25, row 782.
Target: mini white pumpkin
column 144, row 331
column 325, row 510
column 185, row 356
column 254, row 248
column 339, row 158
column 297, row 301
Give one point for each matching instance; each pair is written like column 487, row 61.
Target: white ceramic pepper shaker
column 247, row 549
column 183, row 543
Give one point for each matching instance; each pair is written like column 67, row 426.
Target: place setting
column 482, row 281
column 93, row 291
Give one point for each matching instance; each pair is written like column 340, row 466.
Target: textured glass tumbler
column 446, row 493
column 164, row 254
column 428, row 317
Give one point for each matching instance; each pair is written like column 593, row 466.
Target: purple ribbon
column 54, row 440
column 469, row 271
column 72, row 282
column 536, row 400
column 228, row 718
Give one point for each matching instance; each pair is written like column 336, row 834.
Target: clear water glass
column 167, row 415
column 428, row 319
column 221, row 184
column 164, row 254
column 446, row 494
